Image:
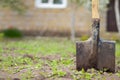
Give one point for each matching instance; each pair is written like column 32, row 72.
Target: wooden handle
column 95, row 13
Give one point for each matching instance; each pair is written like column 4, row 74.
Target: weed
column 58, row 73
column 85, row 37
column 27, row 75
column 82, row 75
column 13, row 59
column 1, row 35
column 55, row 69
column 118, row 49
column 12, row 33
column 66, row 62
column 118, row 74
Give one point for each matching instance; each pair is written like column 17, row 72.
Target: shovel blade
column 105, row 59
column 106, row 56
column 82, row 55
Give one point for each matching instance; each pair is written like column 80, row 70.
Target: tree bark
column 117, row 14
column 73, row 26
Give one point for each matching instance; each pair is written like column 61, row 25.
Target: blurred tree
column 75, row 4
column 117, row 13
column 87, row 4
column 15, row 5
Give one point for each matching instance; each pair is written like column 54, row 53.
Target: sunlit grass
column 13, row 59
column 118, row 49
column 42, row 46
column 38, row 46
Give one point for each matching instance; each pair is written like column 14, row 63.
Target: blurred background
column 37, row 37
column 61, row 18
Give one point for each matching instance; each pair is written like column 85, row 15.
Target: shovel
column 95, row 52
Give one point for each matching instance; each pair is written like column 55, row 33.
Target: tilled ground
column 52, row 67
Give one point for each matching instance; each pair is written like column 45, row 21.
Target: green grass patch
column 35, row 46
column 118, row 49
column 47, row 58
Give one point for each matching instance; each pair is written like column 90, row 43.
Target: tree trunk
column 73, row 26
column 117, row 14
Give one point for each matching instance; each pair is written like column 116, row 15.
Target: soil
column 38, row 74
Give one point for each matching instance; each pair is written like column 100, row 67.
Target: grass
column 42, row 46
column 34, row 46
column 50, row 58
column 118, row 49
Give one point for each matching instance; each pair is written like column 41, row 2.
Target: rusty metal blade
column 83, row 50
column 106, row 56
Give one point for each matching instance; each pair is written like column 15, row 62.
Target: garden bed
column 46, row 59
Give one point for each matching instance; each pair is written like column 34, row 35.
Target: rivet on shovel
column 95, row 53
